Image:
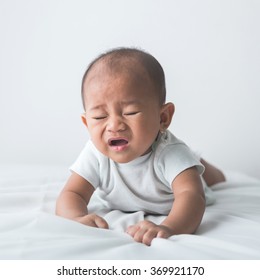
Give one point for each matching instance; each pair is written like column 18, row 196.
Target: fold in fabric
column 29, row 229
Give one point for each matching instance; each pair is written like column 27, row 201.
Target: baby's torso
column 134, row 186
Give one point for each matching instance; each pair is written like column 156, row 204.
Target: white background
column 210, row 51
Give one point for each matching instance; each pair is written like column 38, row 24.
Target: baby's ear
column 84, row 120
column 167, row 112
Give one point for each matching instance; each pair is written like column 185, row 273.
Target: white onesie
column 142, row 184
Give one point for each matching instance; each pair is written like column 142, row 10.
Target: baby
column 132, row 161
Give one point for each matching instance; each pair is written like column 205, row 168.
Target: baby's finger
column 86, row 220
column 139, row 234
column 101, row 223
column 163, row 234
column 149, row 236
column 131, row 230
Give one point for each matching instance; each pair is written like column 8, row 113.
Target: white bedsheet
column 29, row 228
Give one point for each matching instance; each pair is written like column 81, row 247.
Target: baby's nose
column 115, row 124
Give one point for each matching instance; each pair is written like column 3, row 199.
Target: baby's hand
column 93, row 220
column 146, row 231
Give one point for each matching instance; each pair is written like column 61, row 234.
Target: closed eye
column 99, row 118
column 131, row 113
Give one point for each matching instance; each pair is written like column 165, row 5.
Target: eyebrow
column 97, row 107
column 131, row 102
column 124, row 103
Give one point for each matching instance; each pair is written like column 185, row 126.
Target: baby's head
column 123, row 93
column 133, row 61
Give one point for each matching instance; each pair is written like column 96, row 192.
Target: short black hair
column 114, row 57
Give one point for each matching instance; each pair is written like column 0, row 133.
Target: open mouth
column 117, row 142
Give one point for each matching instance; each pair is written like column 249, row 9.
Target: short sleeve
column 174, row 159
column 87, row 165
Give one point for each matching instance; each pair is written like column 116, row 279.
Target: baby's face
column 122, row 114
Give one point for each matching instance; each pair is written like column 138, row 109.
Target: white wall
column 209, row 50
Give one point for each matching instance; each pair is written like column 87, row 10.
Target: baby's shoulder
column 167, row 143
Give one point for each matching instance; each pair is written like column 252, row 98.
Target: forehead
column 130, row 67
column 131, row 79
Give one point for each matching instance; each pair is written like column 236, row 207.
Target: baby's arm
column 186, row 213
column 73, row 200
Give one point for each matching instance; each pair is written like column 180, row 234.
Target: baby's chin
column 121, row 156
column 122, row 159
column 124, row 156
